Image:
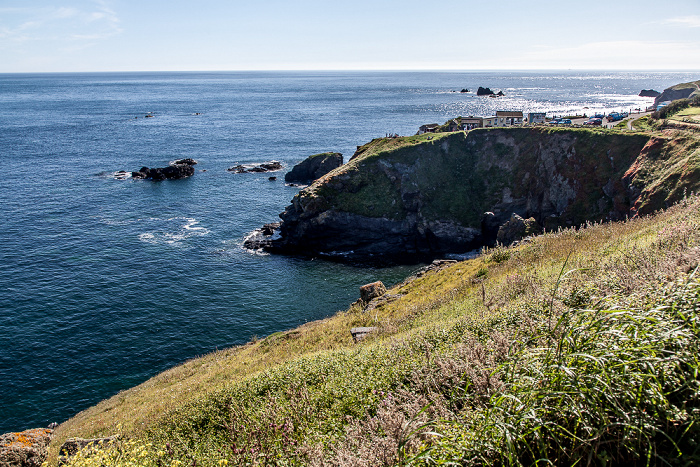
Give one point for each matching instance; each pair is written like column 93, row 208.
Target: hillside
column 577, row 344
column 452, row 347
column 420, row 197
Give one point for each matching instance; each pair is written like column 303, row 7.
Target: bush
column 671, row 109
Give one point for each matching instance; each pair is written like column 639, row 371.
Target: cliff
column 679, row 91
column 416, row 198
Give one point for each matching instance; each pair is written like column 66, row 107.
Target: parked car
column 566, row 121
column 594, row 121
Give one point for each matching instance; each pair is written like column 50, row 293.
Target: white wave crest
column 172, row 231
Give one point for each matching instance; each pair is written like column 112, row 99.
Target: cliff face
column 415, row 198
column 679, row 91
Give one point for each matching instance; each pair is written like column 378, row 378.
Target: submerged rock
column 314, row 167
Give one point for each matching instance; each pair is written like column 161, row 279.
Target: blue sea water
column 106, row 282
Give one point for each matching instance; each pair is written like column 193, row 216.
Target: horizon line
column 378, row 70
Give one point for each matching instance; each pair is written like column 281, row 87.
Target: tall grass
column 617, row 387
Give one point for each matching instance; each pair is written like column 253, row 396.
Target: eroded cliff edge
column 412, row 199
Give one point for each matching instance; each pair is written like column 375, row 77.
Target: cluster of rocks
column 506, row 233
column 270, row 166
column 177, row 169
column 488, row 92
column 30, row 448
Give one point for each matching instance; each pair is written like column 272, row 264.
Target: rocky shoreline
column 417, row 199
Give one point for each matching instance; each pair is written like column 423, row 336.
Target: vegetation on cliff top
column 580, row 344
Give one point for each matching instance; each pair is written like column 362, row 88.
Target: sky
column 203, row 35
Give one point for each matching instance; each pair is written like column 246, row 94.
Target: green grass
column 538, row 351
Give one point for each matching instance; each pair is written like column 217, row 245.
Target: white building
column 536, row 117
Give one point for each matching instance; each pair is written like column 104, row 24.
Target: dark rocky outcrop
column 270, row 166
column 517, row 228
column 419, row 198
column 26, row 448
column 178, row 169
column 187, row 161
column 314, row 167
column 464, row 90
column 484, row 91
column 649, row 93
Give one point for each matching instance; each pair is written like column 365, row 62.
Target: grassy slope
column 311, row 394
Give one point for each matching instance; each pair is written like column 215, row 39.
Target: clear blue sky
column 179, row 35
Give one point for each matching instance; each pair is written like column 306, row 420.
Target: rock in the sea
column 464, row 90
column 314, row 167
column 370, row 291
column 187, row 161
column 516, row 229
column 74, row 445
column 270, row 166
column 179, row 169
column 484, row 91
column 25, row 449
column 649, row 93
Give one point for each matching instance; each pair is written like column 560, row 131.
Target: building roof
column 509, row 113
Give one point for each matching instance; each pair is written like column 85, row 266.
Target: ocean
column 106, row 282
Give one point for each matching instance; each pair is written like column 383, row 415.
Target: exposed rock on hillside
column 413, row 199
column 25, row 449
column 370, row 291
column 314, row 167
column 517, row 228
